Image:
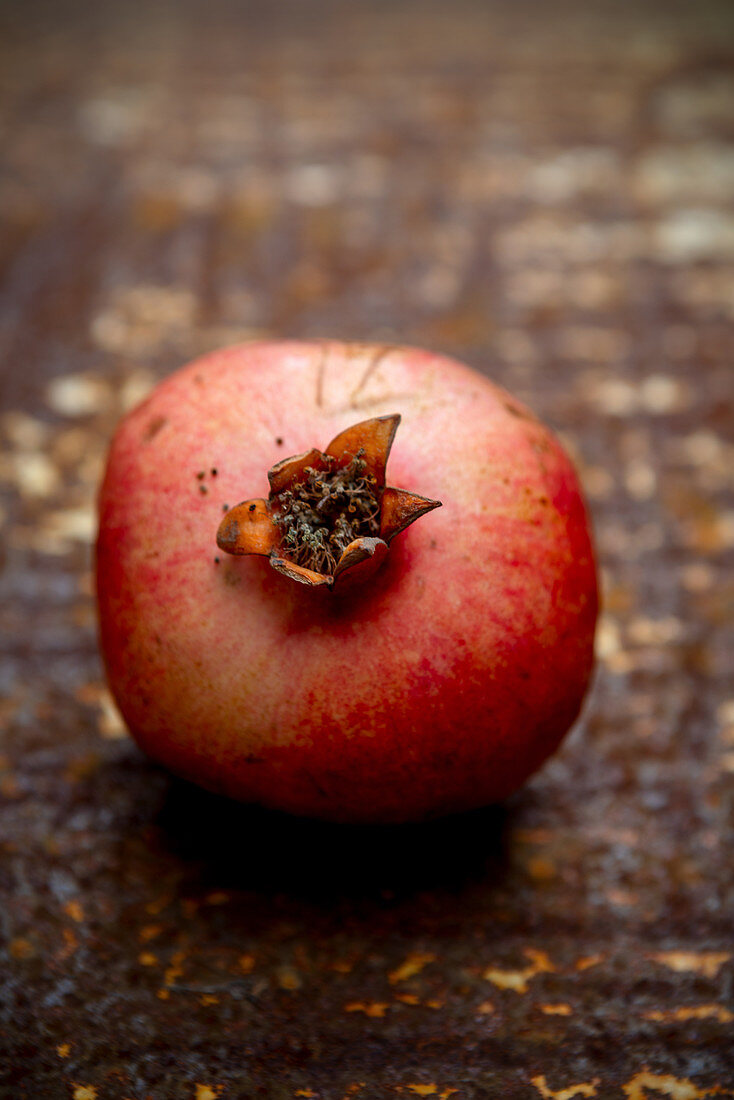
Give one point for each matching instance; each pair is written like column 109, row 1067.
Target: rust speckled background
column 545, row 190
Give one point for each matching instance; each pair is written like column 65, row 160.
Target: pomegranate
column 414, row 669
column 330, row 517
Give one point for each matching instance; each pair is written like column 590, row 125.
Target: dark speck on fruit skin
column 203, row 489
column 225, row 507
column 252, row 508
column 514, row 410
column 201, row 475
column 214, row 471
column 154, row 427
column 279, row 441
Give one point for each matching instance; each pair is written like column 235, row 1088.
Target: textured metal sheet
column 545, row 191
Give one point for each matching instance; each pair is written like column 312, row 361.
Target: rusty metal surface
column 548, row 192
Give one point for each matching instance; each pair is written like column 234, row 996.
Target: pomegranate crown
column 330, row 517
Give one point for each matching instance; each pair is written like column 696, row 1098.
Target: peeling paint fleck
column 69, row 946
column 412, row 966
column 587, row 1088
column 518, row 979
column 289, row 979
column 21, row 948
column 149, row 932
column 556, row 1009
column 692, row 1012
column 375, row 1009
column 74, row 910
column 707, row 963
column 207, row 1092
column 677, row 1088
column 171, row 974
column 587, row 961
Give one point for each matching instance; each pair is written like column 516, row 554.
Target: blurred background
column 547, row 192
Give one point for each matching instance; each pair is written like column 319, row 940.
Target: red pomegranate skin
column 439, row 685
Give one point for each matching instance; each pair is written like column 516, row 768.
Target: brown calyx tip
column 329, row 518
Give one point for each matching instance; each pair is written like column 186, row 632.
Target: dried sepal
column 248, row 529
column 401, row 508
column 290, row 470
column 329, row 517
column 299, row 572
column 360, row 560
column 372, row 439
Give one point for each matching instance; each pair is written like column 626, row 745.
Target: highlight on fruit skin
column 330, row 517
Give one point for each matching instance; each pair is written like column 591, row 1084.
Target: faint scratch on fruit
column 398, row 399
column 356, row 398
column 378, row 355
column 518, row 979
column 587, row 1088
column 320, row 374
